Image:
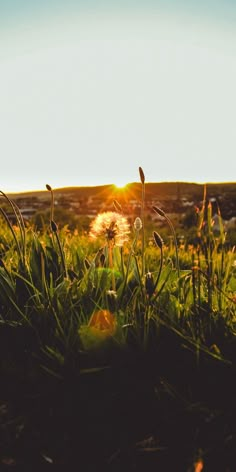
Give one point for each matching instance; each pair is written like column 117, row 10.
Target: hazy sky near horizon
column 91, row 90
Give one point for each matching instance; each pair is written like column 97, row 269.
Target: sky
column 91, row 90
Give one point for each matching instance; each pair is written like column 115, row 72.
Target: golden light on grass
column 198, row 466
column 101, row 327
column 103, row 320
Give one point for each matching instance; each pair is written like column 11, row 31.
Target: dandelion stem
column 110, row 262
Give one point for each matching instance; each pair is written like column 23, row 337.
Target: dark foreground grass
column 158, row 409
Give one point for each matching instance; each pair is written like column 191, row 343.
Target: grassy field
column 118, row 352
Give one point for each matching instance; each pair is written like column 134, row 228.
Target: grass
column 117, row 357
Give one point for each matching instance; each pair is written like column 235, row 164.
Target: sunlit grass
column 161, row 314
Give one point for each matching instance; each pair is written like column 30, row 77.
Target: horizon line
column 117, row 186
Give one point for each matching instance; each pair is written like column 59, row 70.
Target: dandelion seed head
column 111, row 225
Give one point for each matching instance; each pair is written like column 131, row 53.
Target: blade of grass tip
column 142, row 178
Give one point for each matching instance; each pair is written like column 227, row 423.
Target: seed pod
column 149, row 284
column 142, row 176
column 138, row 224
column 54, row 226
column 159, row 211
column 158, row 239
column 48, row 187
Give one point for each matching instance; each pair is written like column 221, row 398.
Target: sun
column 122, row 192
column 120, row 184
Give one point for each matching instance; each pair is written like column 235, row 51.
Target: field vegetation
column 118, row 344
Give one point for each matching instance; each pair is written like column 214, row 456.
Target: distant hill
column 173, row 197
column 163, row 189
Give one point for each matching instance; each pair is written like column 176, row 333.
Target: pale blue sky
column 89, row 92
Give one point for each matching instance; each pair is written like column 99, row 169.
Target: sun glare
column 120, row 185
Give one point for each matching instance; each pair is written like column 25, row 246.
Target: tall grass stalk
column 111, row 266
column 142, row 178
column 159, row 243
column 137, row 229
column 49, row 188
column 118, row 208
column 63, row 261
column 163, row 214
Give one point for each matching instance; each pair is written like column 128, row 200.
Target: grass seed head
column 54, row 226
column 149, row 284
column 158, row 239
column 142, row 176
column 159, row 211
column 138, row 224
